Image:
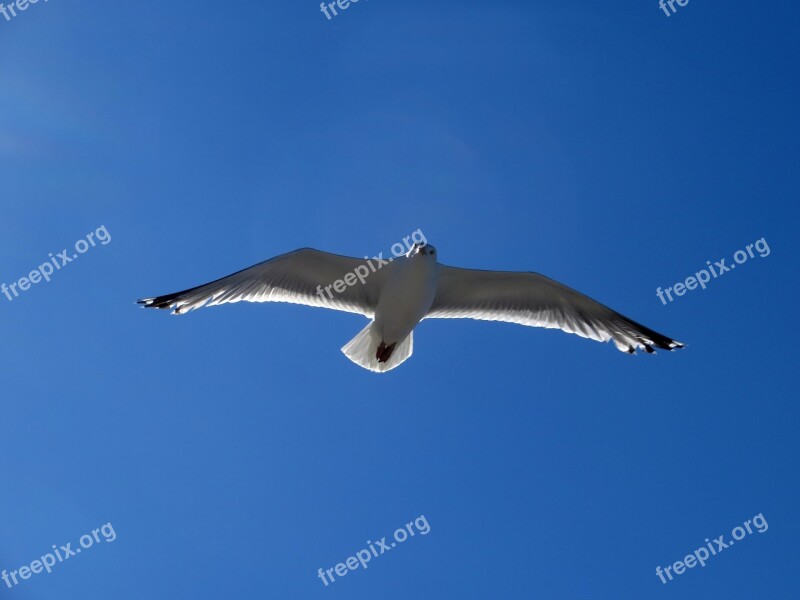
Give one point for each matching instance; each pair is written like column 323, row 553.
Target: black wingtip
column 157, row 302
column 649, row 339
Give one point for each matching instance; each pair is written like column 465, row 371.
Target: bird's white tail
column 364, row 350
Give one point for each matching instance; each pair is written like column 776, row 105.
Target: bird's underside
column 306, row 276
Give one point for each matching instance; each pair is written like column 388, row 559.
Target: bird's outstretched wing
column 534, row 300
column 293, row 277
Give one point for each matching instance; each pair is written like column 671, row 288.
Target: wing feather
column 534, row 300
column 295, row 277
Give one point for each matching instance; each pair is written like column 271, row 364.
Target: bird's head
column 422, row 250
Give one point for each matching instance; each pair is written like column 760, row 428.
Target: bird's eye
column 433, row 252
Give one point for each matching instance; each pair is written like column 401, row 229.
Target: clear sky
column 235, row 451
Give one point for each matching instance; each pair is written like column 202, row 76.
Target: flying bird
column 397, row 293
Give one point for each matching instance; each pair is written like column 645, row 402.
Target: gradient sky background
column 236, row 450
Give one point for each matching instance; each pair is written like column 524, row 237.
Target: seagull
column 397, row 293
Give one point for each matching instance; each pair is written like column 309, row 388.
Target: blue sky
column 236, row 451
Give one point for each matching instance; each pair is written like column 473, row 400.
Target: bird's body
column 406, row 296
column 401, row 292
